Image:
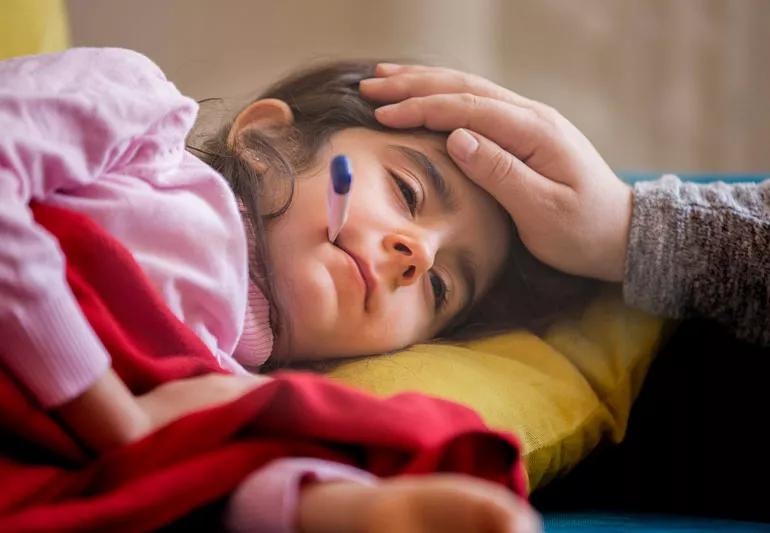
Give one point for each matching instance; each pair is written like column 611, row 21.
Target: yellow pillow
column 560, row 394
column 32, row 27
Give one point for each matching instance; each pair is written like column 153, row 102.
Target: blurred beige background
column 675, row 85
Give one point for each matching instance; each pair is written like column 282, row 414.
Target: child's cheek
column 407, row 318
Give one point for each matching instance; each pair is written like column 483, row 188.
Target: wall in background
column 681, row 85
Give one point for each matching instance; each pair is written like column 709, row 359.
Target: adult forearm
column 702, row 250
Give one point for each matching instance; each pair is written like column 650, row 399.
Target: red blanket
column 48, row 482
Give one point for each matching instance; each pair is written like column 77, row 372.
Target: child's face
column 379, row 287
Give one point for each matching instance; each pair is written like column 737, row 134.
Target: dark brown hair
column 325, row 100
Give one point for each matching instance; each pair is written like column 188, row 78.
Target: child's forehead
column 418, row 138
column 431, row 145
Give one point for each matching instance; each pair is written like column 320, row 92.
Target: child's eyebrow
column 445, row 193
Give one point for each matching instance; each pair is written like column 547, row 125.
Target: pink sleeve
column 267, row 500
column 67, row 119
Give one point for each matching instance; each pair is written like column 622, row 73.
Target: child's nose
column 410, row 258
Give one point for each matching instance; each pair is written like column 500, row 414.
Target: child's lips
column 364, row 274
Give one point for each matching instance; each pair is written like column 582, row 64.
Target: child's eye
column 439, row 290
column 408, row 192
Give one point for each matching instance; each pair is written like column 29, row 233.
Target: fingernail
column 371, row 82
column 384, row 110
column 462, row 144
column 386, row 68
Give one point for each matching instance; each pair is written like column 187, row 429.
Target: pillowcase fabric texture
column 562, row 394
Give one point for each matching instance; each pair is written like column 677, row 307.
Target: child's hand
column 176, row 399
column 570, row 208
column 442, row 503
column 108, row 415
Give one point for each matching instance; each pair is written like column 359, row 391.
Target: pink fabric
column 256, row 342
column 267, row 500
column 102, row 132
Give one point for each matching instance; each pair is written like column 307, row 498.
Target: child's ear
column 268, row 114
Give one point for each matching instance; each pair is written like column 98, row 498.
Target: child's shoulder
column 114, row 88
column 118, row 61
column 87, row 70
column 77, row 58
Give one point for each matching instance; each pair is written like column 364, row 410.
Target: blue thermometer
column 338, row 197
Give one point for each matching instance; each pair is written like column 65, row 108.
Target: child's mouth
column 362, row 272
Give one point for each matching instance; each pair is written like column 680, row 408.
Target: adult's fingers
column 409, row 81
column 387, row 69
column 520, row 130
column 512, row 183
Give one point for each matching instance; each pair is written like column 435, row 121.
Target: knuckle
column 429, row 84
column 470, row 100
column 501, row 168
column 549, row 111
column 532, row 114
column 402, row 81
column 549, row 115
column 461, row 81
column 561, row 204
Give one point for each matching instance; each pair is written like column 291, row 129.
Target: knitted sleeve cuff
column 52, row 350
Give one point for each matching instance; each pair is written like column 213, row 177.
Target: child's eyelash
column 437, row 284
column 439, row 291
column 408, row 192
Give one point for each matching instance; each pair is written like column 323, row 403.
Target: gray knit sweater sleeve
column 702, row 250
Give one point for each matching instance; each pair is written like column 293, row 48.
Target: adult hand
column 108, row 415
column 571, row 210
